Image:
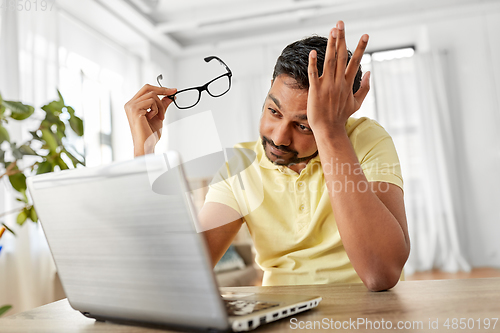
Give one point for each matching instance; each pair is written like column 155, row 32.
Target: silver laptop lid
column 125, row 245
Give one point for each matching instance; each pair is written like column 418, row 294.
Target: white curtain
column 29, row 73
column 412, row 105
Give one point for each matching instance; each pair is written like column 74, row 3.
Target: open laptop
column 124, row 240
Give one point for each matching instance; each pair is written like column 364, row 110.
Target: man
column 332, row 208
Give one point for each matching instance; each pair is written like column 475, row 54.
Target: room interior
column 435, row 88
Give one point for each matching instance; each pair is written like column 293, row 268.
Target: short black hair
column 294, row 60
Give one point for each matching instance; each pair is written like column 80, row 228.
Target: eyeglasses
column 187, row 98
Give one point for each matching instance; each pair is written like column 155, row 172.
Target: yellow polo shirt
column 289, row 215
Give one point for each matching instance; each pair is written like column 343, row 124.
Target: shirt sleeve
column 376, row 153
column 220, row 189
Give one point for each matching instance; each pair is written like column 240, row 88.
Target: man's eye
column 273, row 111
column 304, row 128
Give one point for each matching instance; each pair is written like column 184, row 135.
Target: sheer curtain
column 412, row 105
column 29, row 66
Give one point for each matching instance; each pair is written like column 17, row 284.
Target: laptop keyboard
column 241, row 307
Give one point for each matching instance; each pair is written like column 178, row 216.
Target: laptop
column 125, row 242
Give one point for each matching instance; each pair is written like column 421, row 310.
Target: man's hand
column 331, row 101
column 145, row 113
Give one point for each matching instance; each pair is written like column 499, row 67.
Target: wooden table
column 416, row 304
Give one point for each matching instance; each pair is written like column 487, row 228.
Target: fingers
column 353, row 66
column 146, row 104
column 155, row 104
column 165, row 102
column 341, row 50
column 158, row 90
column 155, row 109
column 331, row 54
column 312, row 69
column 360, row 95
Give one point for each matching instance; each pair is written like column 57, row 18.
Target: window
column 369, row 107
column 88, row 88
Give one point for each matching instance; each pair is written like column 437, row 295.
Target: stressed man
column 332, row 206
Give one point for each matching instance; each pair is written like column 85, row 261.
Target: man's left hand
column 331, row 100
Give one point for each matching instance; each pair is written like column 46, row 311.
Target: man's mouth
column 276, row 151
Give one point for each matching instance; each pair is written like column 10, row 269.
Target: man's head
column 294, row 60
column 286, row 136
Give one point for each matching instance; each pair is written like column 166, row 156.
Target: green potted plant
column 46, row 151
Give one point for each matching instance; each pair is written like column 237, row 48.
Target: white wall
column 473, row 52
column 469, row 37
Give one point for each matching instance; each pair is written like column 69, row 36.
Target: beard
column 289, row 158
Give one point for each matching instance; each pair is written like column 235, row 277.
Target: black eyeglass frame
column 202, row 88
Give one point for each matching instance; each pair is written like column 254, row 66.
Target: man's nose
column 281, row 135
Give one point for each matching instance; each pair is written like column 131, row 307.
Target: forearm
column 143, row 144
column 141, row 149
column 219, row 224
column 371, row 234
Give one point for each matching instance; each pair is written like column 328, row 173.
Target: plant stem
column 9, row 169
column 13, row 211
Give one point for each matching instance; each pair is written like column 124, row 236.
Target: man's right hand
column 145, row 113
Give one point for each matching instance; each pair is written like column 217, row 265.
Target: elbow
column 382, row 281
column 380, row 284
column 385, row 275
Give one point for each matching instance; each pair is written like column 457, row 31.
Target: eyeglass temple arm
column 160, row 77
column 208, row 59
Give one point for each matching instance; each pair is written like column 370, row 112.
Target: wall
column 468, row 36
column 473, row 52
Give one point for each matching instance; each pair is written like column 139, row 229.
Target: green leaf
column 2, row 156
column 76, row 124
column 33, row 214
column 50, row 119
column 4, row 134
column 8, row 229
column 44, row 167
column 18, row 181
column 21, row 218
column 19, row 111
column 54, row 107
column 60, row 130
column 49, row 138
column 73, row 159
column 61, row 127
column 27, row 150
column 15, row 151
column 35, row 135
column 71, row 111
column 4, row 309
column 61, row 99
column 61, row 163
column 2, row 108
